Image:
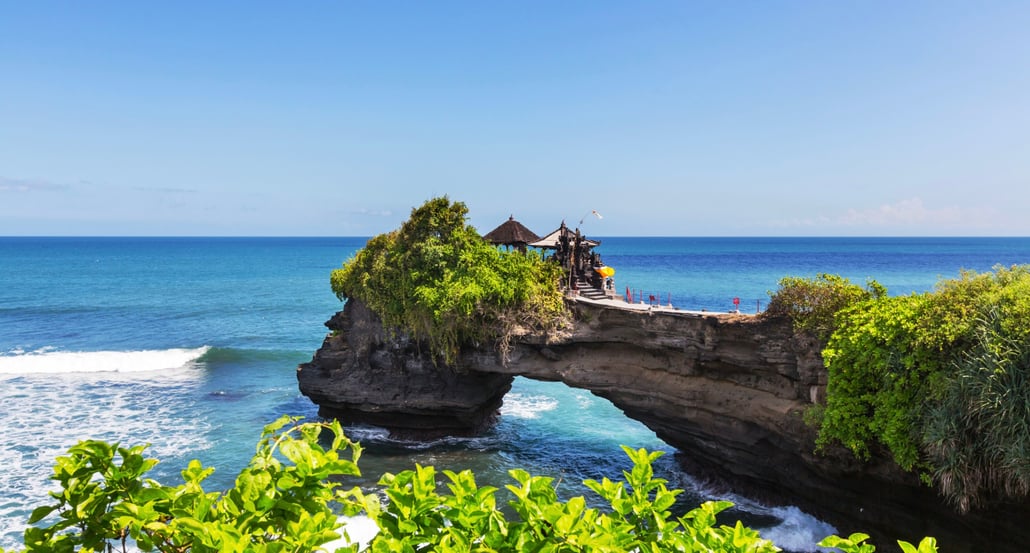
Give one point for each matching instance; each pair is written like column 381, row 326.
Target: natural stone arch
column 728, row 390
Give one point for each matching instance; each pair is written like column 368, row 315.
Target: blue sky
column 669, row 118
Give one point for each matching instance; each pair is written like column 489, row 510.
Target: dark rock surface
column 360, row 376
column 728, row 391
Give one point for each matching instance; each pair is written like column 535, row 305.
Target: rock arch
column 727, row 390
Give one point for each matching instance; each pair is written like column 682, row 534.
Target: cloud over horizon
column 905, row 214
column 8, row 184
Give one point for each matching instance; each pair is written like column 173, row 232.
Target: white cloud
column 910, row 212
column 8, row 184
column 372, row 212
column 905, row 215
column 164, row 190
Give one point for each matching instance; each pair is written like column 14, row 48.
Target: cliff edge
column 727, row 390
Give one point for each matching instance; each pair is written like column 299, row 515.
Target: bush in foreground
column 289, row 497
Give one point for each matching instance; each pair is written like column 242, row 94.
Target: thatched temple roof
column 511, row 233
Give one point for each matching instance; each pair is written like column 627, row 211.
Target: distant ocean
column 191, row 345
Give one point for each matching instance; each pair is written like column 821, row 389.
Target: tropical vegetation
column 290, row 498
column 812, row 303
column 436, row 279
column 940, row 381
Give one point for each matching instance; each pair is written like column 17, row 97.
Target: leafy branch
column 289, row 499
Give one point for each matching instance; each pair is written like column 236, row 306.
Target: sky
column 685, row 118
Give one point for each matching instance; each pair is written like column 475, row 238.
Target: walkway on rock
column 620, row 303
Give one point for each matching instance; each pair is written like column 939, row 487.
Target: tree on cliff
column 438, row 280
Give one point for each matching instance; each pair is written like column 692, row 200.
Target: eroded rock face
column 728, row 391
column 358, row 375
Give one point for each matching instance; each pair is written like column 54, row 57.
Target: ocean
column 191, row 345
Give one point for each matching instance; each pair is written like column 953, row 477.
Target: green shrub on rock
column 940, row 380
column 877, row 378
column 813, row 303
column 977, row 432
column 438, row 280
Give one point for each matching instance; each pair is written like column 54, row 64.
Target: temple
column 585, row 274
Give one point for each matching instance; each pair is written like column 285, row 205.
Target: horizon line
column 297, row 236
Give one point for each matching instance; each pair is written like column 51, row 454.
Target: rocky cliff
column 728, row 391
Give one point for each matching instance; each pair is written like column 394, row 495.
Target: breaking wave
column 51, row 361
column 53, row 399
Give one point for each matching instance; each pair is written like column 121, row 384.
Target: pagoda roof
column 511, row 233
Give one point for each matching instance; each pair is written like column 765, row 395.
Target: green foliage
column 963, row 303
column 438, row 280
column 282, row 501
column 288, row 499
column 941, row 381
column 419, row 518
column 876, row 378
column 855, row 543
column 977, row 434
column 812, row 303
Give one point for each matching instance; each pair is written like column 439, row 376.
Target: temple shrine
column 585, row 274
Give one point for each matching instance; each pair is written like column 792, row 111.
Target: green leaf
column 39, row 513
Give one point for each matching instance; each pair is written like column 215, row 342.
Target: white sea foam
column 48, row 361
column 367, row 433
column 584, row 400
column 798, row 531
column 46, row 408
column 527, row 407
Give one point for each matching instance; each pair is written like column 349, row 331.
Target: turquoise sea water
column 191, row 345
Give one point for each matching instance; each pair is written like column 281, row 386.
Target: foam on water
column 794, row 531
column 49, row 361
column 367, row 433
column 377, row 436
column 527, row 407
column 52, row 400
column 798, row 531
